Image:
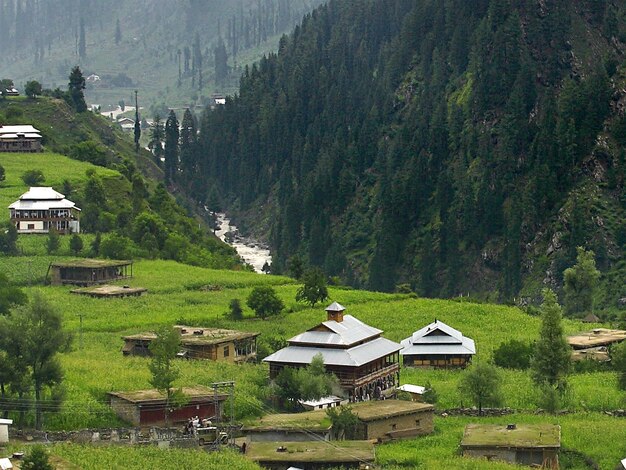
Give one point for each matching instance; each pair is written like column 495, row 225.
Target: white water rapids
column 252, row 252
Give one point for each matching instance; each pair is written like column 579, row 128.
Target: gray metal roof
column 344, row 333
column 355, row 356
column 466, row 347
column 38, row 193
column 437, row 338
column 21, row 129
column 335, row 307
column 43, row 205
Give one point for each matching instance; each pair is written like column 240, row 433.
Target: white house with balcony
column 41, row 209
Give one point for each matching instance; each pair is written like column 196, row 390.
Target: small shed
column 85, row 272
column 535, row 445
column 147, row 407
column 330, row 401
column 4, row 430
column 591, row 318
column 311, row 455
column 415, row 391
column 393, row 419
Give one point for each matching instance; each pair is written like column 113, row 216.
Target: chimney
column 335, row 312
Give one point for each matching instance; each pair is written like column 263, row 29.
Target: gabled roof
column 437, row 338
column 22, row 129
column 41, row 193
column 332, row 333
column 354, row 357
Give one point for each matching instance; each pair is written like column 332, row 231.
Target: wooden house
column 86, row 271
column 437, row 345
column 366, row 364
column 536, row 445
column 216, row 344
column 595, row 338
column 147, row 407
column 41, row 209
column 22, row 139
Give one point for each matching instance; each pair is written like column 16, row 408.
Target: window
column 226, row 351
column 417, row 423
column 393, row 427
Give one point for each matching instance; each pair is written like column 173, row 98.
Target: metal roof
column 6, row 421
column 43, row 205
column 345, row 333
column 38, row 193
column 467, row 346
column 437, row 332
column 355, row 356
column 328, row 400
column 412, row 388
column 21, row 129
column 335, row 307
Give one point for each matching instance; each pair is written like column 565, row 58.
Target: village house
column 216, row 344
column 437, row 345
column 366, row 364
column 536, row 445
column 593, row 345
column 127, row 124
column 289, row 427
column 85, row 272
column 393, row 419
column 41, row 209
column 22, row 138
column 416, row 392
column 4, row 430
column 323, row 403
column 147, row 407
column 312, row 455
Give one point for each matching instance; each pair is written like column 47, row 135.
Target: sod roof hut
column 84, row 272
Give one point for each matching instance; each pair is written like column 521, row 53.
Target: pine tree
column 76, row 87
column 137, row 129
column 551, row 362
column 171, row 147
column 188, row 135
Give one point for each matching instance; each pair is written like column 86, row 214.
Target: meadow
column 184, row 294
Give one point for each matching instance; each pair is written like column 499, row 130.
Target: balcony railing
column 351, row 380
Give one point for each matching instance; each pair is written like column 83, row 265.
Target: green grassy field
column 185, row 294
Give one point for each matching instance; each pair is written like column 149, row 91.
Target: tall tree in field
column 481, row 383
column 188, row 157
column 580, row 282
column 41, row 337
column 171, row 146
column 164, row 372
column 314, row 289
column 552, row 360
column 137, row 130
column 221, row 63
column 76, row 87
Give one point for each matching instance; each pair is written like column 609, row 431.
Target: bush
column 116, row 246
column 37, row 459
column 53, row 242
column 264, row 301
column 235, row 311
column 513, row 354
column 33, row 177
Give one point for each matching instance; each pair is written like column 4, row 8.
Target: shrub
column 264, row 301
column 513, row 354
column 235, row 311
column 33, row 177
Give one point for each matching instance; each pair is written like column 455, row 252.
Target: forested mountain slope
column 452, row 146
column 174, row 52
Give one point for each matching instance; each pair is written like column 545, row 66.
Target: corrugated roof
column 467, row 346
column 38, row 193
column 43, row 205
column 355, row 356
column 345, row 333
column 426, row 334
column 412, row 388
column 20, row 129
column 335, row 307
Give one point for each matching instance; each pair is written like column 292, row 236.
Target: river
column 252, row 252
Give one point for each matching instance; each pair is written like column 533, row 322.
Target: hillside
column 141, row 45
column 453, row 147
column 126, row 210
column 198, row 296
